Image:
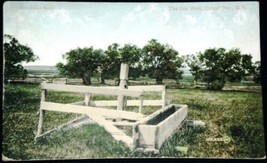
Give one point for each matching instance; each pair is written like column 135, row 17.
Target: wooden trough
column 153, row 130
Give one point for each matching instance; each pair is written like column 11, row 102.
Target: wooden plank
column 90, row 110
column 163, row 97
column 92, row 90
column 129, row 103
column 150, row 88
column 87, row 99
column 147, row 136
column 41, row 114
column 114, row 131
column 40, row 122
column 167, row 127
column 141, row 98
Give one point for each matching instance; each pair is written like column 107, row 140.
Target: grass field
column 234, row 114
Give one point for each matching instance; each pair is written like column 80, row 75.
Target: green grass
column 237, row 115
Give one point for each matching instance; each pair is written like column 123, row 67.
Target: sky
column 51, row 29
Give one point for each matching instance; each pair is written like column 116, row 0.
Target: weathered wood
column 114, row 131
column 167, row 127
column 141, row 98
column 87, row 99
column 163, row 97
column 40, row 122
column 41, row 114
column 147, row 136
column 124, row 71
column 43, row 95
column 153, row 135
column 150, row 88
column 122, row 100
column 129, row 103
column 90, row 110
column 92, row 90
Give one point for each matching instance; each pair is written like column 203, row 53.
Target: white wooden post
column 122, row 100
column 41, row 114
column 87, row 99
column 163, row 96
column 141, row 104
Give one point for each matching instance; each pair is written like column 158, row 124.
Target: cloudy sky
column 53, row 28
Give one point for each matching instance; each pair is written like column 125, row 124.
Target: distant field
column 41, row 69
column 234, row 114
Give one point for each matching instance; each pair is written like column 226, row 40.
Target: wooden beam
column 150, row 88
column 141, row 98
column 92, row 90
column 90, row 110
column 129, row 103
column 114, row 131
column 163, row 97
column 87, row 99
column 41, row 114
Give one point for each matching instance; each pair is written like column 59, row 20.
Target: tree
column 219, row 66
column 81, row 63
column 115, row 55
column 195, row 66
column 110, row 64
column 131, row 54
column 161, row 61
column 257, row 72
column 15, row 54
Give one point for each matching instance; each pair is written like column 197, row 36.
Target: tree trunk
column 194, row 82
column 159, row 80
column 86, row 79
column 102, row 78
column 117, row 80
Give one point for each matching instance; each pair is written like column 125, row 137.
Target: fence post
column 87, row 99
column 122, row 100
column 41, row 114
column 141, row 103
column 163, row 96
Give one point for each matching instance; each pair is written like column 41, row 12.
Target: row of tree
column 155, row 60
column 217, row 66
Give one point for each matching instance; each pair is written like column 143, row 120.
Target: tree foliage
column 257, row 72
column 14, row 54
column 218, row 66
column 110, row 65
column 115, row 55
column 81, row 63
column 161, row 61
column 194, row 64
